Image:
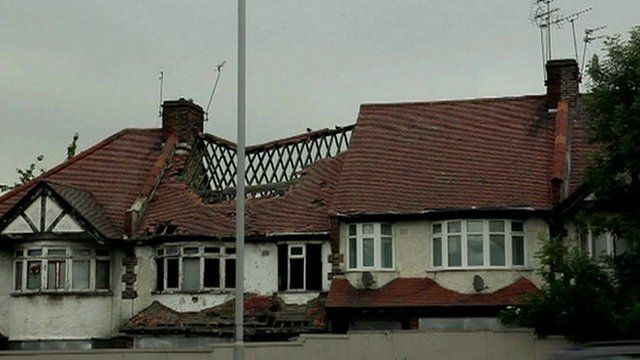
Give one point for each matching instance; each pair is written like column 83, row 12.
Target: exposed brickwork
column 563, row 81
column 183, row 118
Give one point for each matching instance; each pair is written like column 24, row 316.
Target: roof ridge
column 71, row 161
column 452, row 101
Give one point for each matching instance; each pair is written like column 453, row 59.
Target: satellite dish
column 367, row 279
column 478, row 283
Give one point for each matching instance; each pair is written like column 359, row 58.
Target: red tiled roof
column 420, row 292
column 112, row 171
column 303, row 208
column 485, row 153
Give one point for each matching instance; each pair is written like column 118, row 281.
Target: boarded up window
column 191, row 272
column 81, row 274
column 103, row 274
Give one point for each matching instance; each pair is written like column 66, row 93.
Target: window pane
column 191, row 273
column 496, row 250
column 475, row 226
column 19, row 253
column 352, row 230
column 621, row 246
column 57, row 252
column 191, row 251
column 437, row 252
column 230, row 250
column 172, row 250
column 386, row 250
column 517, row 226
column 103, row 274
column 81, row 252
column 600, row 244
column 296, row 274
column 173, row 273
column 518, row 250
column 367, row 252
column 455, row 250
column 34, row 252
column 56, row 275
column 81, row 274
column 496, row 226
column 230, row 273
column 475, row 250
column 454, row 226
column 353, row 255
column 385, row 229
column 212, row 273
column 34, row 275
column 437, row 228
column 296, row 250
column 212, row 250
column 18, row 275
column 367, row 229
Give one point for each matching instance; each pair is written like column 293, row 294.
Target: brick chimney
column 183, row 118
column 563, row 80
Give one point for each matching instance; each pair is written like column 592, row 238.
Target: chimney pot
column 563, row 81
column 183, row 118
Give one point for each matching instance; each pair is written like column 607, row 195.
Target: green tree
column 582, row 298
column 29, row 173
column 613, row 125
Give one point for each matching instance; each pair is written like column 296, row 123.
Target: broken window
column 61, row 269
column 370, row 246
column 300, row 267
column 195, row 267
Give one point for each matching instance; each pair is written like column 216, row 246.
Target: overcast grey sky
column 92, row 66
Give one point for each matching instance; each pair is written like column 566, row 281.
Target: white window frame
column 69, row 258
column 201, row 254
column 377, row 247
column 590, row 242
column 302, row 256
column 508, row 246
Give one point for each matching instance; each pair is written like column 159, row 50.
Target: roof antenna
column 215, row 86
column 589, row 36
column 161, row 78
column 543, row 16
column 572, row 19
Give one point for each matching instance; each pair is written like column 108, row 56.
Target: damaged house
column 421, row 215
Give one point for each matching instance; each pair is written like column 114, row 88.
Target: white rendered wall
column 412, row 250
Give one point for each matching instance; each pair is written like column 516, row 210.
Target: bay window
column 58, row 268
column 477, row 243
column 370, row 246
column 194, row 267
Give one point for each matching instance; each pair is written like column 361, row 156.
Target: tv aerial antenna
column 215, row 86
column 543, row 16
column 161, row 78
column 590, row 35
column 572, row 19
